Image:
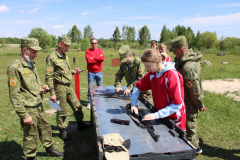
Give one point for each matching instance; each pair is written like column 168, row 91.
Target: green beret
column 31, row 43
column 178, row 42
column 124, row 51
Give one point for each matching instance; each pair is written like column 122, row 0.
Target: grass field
column 219, row 125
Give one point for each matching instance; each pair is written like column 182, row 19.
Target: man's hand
column 45, row 89
column 53, row 98
column 28, row 120
column 76, row 71
column 134, row 109
column 118, row 89
column 203, row 109
column 127, row 92
column 148, row 117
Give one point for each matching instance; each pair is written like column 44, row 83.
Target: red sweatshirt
column 166, row 89
column 94, row 58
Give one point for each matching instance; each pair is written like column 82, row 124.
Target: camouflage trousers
column 192, row 126
column 39, row 129
column 66, row 95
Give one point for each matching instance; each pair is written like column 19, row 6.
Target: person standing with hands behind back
column 131, row 68
column 167, row 89
column 94, row 58
column 59, row 77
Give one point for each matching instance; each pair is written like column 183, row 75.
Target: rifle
column 143, row 124
column 112, row 94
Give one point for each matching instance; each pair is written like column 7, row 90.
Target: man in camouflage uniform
column 59, row 77
column 26, row 93
column 131, row 68
column 187, row 63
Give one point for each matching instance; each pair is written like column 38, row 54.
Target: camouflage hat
column 31, row 43
column 124, row 51
column 65, row 40
column 178, row 42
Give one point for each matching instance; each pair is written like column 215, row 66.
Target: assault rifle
column 113, row 95
column 143, row 124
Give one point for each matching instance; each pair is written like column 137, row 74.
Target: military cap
column 64, row 39
column 124, row 51
column 178, row 42
column 31, row 43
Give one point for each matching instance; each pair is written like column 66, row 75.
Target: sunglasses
column 94, row 43
column 113, row 148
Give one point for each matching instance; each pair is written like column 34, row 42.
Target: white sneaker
column 89, row 106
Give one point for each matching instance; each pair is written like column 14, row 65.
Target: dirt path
column 223, row 86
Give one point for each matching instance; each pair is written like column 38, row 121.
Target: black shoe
column 64, row 136
column 199, row 150
column 32, row 158
column 83, row 125
column 53, row 152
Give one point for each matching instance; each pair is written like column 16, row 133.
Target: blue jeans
column 91, row 77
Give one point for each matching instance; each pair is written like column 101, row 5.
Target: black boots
column 52, row 152
column 83, row 125
column 64, row 136
column 31, row 158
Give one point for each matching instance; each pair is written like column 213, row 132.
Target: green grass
column 219, row 127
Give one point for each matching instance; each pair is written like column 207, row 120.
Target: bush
column 75, row 47
column 85, row 44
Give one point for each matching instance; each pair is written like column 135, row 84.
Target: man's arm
column 118, row 78
column 14, row 84
column 100, row 57
column 49, row 76
column 89, row 57
column 193, row 88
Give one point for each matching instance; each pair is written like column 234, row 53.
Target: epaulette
column 15, row 64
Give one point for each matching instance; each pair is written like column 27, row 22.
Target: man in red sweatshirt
column 94, row 58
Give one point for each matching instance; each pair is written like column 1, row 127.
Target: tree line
column 206, row 41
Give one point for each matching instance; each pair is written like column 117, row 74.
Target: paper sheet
column 55, row 105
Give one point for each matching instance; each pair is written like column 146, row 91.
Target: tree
column 116, row 36
column 181, row 30
column 173, row 34
column 124, row 32
column 75, row 34
column 209, row 39
column 198, row 40
column 85, row 44
column 165, row 34
column 144, row 36
column 131, row 34
column 45, row 40
column 88, row 32
column 190, row 37
column 54, row 40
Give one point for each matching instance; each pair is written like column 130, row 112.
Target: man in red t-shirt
column 94, row 58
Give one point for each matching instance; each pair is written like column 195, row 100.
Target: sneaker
column 89, row 106
column 199, row 150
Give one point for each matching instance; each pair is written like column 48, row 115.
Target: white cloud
column 229, row 5
column 42, row 27
column 106, row 7
column 33, row 10
column 0, row 19
column 214, row 20
column 157, row 35
column 22, row 11
column 139, row 17
column 4, row 8
column 63, row 31
column 23, row 22
column 57, row 26
column 84, row 13
column 10, row 34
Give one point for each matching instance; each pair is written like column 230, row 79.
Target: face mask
column 27, row 58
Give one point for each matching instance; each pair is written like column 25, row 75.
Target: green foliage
column 88, row 32
column 45, row 40
column 190, row 36
column 54, row 40
column 75, row 34
column 209, row 39
column 144, row 36
column 85, row 44
column 198, row 40
column 165, row 34
column 75, row 46
column 116, row 36
column 128, row 33
column 10, row 40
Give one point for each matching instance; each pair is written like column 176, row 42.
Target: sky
column 18, row 17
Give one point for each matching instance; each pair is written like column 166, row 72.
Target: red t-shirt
column 94, row 58
column 168, row 59
column 166, row 89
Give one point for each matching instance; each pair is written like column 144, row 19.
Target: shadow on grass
column 11, row 150
column 227, row 154
column 84, row 103
column 82, row 145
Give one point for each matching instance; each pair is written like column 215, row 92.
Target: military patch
column 37, row 43
column 189, row 84
column 133, row 69
column 48, row 69
column 59, row 61
column 12, row 82
column 25, row 72
column 140, row 70
column 118, row 72
column 121, row 56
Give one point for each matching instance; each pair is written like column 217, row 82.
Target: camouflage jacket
column 25, row 88
column 57, row 70
column 132, row 75
column 190, row 69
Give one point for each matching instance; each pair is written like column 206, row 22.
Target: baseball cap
column 65, row 40
column 124, row 51
column 178, row 42
column 31, row 43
